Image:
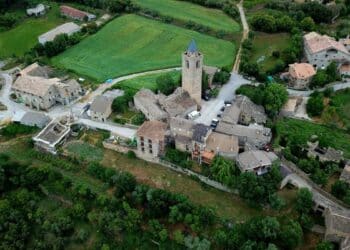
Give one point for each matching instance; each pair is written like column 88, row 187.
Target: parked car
column 227, row 102
column 214, row 123
column 193, row 115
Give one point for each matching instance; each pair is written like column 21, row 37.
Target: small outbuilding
column 256, row 161
column 35, row 119
column 38, row 10
column 101, row 108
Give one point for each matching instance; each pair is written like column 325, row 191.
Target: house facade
column 257, row 161
column 151, row 140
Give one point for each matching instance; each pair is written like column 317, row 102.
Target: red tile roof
column 72, row 12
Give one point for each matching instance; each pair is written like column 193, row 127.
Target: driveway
column 211, row 108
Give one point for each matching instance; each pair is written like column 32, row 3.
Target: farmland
column 131, row 44
column 184, row 11
column 24, row 36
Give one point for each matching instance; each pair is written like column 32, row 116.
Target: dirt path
column 244, row 36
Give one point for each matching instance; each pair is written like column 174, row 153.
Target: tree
column 304, row 201
column 307, row 24
column 325, row 245
column 125, row 182
column 276, row 96
column 264, row 22
column 291, row 234
column 319, row 177
column 340, row 188
column 224, row 171
column 166, row 84
column 263, row 228
column 315, row 105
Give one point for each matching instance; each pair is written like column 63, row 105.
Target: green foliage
column 121, row 103
column 341, row 190
column 291, row 235
column 138, row 119
column 14, row 129
column 315, row 105
column 275, row 97
column 166, row 84
column 325, row 76
column 325, row 245
column 178, row 157
column 304, row 201
column 221, row 77
column 224, row 171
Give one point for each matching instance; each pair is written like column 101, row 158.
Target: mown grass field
column 263, row 46
column 131, row 44
column 185, row 11
column 336, row 138
column 147, row 81
column 24, row 36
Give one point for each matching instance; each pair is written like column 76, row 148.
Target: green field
column 146, row 81
column 303, row 130
column 24, row 36
column 263, row 46
column 186, row 11
column 131, row 44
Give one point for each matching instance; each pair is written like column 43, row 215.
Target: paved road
column 244, row 35
column 211, row 108
column 306, row 93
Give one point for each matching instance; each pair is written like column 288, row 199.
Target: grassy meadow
column 131, row 44
column 24, row 36
column 185, row 11
column 263, row 46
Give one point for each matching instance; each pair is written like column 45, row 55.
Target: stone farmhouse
column 101, row 108
column 300, row 75
column 151, row 140
column 323, row 154
column 34, row 89
column 38, row 10
column 321, row 50
column 256, row 161
column 67, row 28
column 76, row 14
column 244, row 111
column 161, row 107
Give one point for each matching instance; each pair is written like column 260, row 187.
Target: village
column 200, row 121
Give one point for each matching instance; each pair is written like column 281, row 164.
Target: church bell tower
column 192, row 70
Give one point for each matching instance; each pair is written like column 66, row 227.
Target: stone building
column 38, row 92
column 345, row 174
column 67, row 28
column 200, row 135
column 101, row 108
column 321, row 50
column 38, row 10
column 244, row 111
column 53, row 135
column 300, row 75
column 76, row 14
column 337, row 228
column 192, row 70
column 224, row 145
column 256, row 161
column 182, row 132
column 151, row 139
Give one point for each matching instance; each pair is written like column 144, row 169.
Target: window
column 142, row 149
column 187, row 64
column 151, row 151
column 198, row 64
column 141, row 138
column 149, row 141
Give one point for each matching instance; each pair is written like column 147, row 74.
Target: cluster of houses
column 320, row 51
column 33, row 87
column 67, row 28
column 239, row 135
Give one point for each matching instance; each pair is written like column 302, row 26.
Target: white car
column 193, row 115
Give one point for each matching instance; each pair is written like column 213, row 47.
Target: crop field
column 24, row 36
column 185, row 11
column 132, row 44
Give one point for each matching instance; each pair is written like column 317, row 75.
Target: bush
column 131, row 154
column 315, row 105
column 138, row 119
column 14, row 129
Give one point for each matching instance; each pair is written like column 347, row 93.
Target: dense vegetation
column 42, row 208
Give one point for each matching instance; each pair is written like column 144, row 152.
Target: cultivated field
column 24, row 36
column 131, row 44
column 186, row 11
